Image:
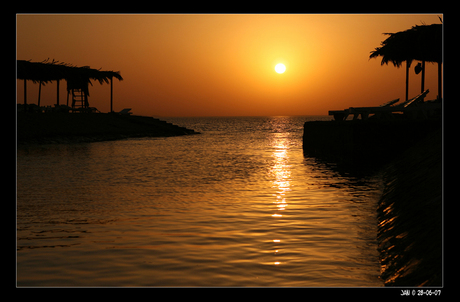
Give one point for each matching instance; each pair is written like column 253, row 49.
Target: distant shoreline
column 42, row 128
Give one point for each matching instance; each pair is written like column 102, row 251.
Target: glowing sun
column 280, row 68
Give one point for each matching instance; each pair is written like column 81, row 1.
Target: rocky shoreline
column 42, row 128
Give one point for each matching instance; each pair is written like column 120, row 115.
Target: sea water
column 237, row 205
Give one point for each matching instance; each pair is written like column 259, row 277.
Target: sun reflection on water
column 281, row 171
column 281, row 174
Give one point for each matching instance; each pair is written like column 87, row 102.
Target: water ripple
column 238, row 205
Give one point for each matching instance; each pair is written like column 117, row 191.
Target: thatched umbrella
column 44, row 72
column 41, row 72
column 421, row 43
column 51, row 71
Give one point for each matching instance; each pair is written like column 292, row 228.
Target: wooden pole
column 111, row 94
column 25, row 93
column 423, row 76
column 39, row 92
column 57, row 95
column 440, row 80
column 407, row 79
column 86, row 105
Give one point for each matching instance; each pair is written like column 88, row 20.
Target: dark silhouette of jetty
column 403, row 142
column 379, row 134
column 422, row 43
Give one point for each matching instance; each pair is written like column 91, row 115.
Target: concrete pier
column 408, row 154
column 363, row 145
column 410, row 215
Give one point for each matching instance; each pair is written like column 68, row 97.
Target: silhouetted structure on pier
column 77, row 79
column 422, row 43
column 414, row 108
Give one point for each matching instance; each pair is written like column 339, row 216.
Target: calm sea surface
column 238, row 205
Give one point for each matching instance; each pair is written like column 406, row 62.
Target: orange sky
column 223, row 65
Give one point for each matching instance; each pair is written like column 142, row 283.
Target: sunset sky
column 223, row 65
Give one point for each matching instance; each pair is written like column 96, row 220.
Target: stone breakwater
column 408, row 155
column 90, row 127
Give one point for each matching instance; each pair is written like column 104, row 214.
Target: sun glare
column 280, row 68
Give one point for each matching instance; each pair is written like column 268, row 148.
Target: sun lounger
column 125, row 111
column 390, row 103
column 385, row 109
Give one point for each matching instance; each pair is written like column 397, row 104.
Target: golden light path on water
column 281, row 173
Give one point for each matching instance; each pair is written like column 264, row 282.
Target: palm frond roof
column 421, row 42
column 47, row 71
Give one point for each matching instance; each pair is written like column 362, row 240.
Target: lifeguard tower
column 77, row 87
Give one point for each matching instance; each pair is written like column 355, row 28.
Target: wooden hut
column 77, row 79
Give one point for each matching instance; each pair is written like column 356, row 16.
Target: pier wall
column 410, row 215
column 363, row 145
column 408, row 154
